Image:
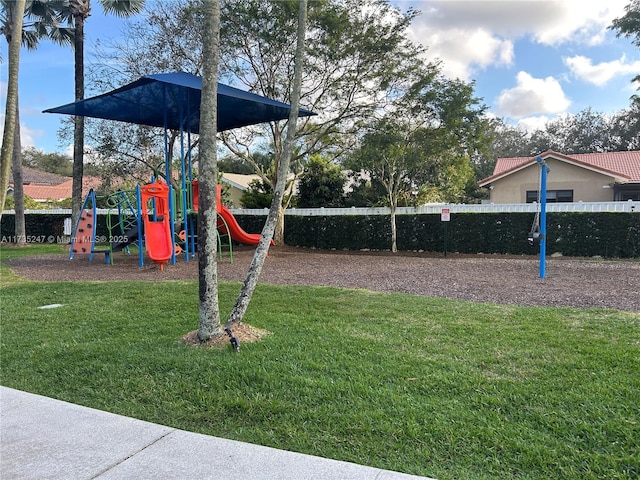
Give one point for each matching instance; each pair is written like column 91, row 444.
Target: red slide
column 157, row 232
column 157, row 239
column 235, row 230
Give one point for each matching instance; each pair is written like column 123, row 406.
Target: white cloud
column 578, row 21
column 634, row 87
column 464, row 50
column 27, row 135
column 508, row 19
column 532, row 96
column 468, row 35
column 549, row 21
column 600, row 74
column 68, row 150
column 530, row 124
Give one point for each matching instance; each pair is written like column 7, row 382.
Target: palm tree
column 41, row 19
column 78, row 11
column 12, row 99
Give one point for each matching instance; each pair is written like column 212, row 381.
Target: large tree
column 209, row 316
column 77, row 12
column 587, row 132
column 420, row 149
column 624, row 128
column 8, row 136
column 41, row 20
column 502, row 140
column 321, row 184
column 57, row 163
column 357, row 56
column 257, row 262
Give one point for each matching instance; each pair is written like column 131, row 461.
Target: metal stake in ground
column 542, row 193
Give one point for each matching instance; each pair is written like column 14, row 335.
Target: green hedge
column 43, row 227
column 251, row 223
column 572, row 234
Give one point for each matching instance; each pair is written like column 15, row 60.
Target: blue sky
column 531, row 60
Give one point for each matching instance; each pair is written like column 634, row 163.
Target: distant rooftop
column 38, row 177
column 625, row 165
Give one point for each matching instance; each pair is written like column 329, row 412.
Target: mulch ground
column 511, row 280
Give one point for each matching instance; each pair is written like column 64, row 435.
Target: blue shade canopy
column 172, row 100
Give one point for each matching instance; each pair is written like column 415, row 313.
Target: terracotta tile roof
column 625, row 165
column 61, row 191
column 87, row 184
column 38, row 177
column 43, row 193
column 43, row 186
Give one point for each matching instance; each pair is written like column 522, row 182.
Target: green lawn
column 434, row 387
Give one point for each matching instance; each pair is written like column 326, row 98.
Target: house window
column 631, row 195
column 553, row 196
column 626, row 192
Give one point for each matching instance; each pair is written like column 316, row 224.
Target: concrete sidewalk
column 43, row 438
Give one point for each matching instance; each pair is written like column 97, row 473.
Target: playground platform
column 43, row 438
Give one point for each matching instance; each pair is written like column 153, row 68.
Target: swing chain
column 534, row 234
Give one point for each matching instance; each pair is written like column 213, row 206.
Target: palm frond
column 122, row 8
column 62, row 35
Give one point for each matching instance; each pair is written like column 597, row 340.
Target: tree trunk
column 8, row 135
column 255, row 268
column 392, row 192
column 18, row 184
column 278, row 235
column 78, row 131
column 209, row 314
column 394, row 230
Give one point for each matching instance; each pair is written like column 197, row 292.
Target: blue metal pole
column 183, row 184
column 543, row 215
column 92, row 195
column 167, row 160
column 172, row 232
column 191, row 238
column 140, row 232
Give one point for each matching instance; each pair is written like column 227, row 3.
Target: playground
column 160, row 217
column 160, row 224
column 509, row 280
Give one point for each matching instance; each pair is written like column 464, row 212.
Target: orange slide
column 235, row 230
column 230, row 222
column 157, row 231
